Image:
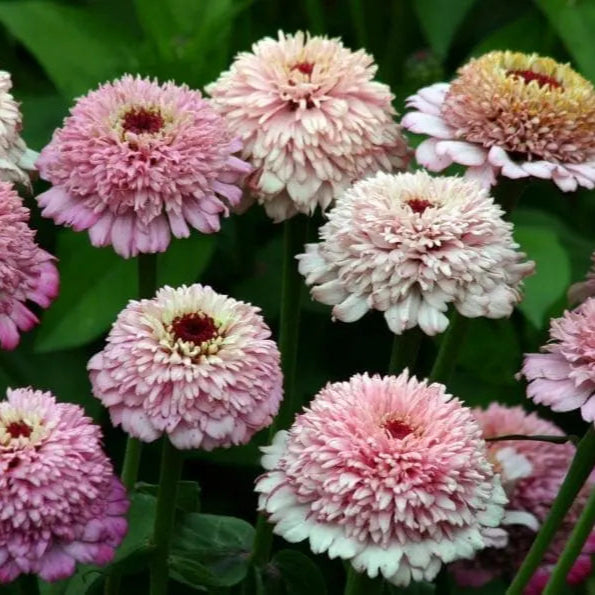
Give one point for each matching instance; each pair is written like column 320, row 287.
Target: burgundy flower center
column 18, row 429
column 529, row 75
column 304, row 67
column 142, row 121
column 195, row 328
column 397, row 428
column 418, row 205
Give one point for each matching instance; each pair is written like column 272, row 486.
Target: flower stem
column 361, row 584
column 449, row 348
column 171, row 470
column 294, row 232
column 574, row 545
column 580, row 469
column 537, row 438
column 405, row 350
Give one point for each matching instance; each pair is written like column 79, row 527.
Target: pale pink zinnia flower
column 563, row 376
column 312, row 119
column 408, row 245
column 387, row 472
column 510, row 114
column 15, row 158
column 27, row 273
column 579, row 292
column 136, row 162
column 190, row 363
column 532, row 473
column 60, row 502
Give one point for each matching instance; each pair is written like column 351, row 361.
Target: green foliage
column 293, row 573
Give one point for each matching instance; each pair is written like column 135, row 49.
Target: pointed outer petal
column 23, row 317
column 235, row 166
column 322, row 536
column 100, row 232
column 9, row 335
column 331, row 293
column 58, row 205
column 48, row 285
column 345, row 548
column 565, row 182
column 421, row 123
column 28, row 159
column 372, row 558
column 352, row 309
column 159, row 233
column 56, row 565
column 269, row 183
column 402, row 577
column 539, row 169
column 484, row 175
column 560, row 395
column 435, row 93
column 280, row 208
column 178, row 225
column 545, row 365
column 426, row 154
column 462, row 152
column 588, row 409
column 266, row 483
column 122, row 235
column 514, row 464
column 418, row 554
column 273, row 453
column 231, row 192
column 204, row 222
column 313, row 266
column 281, row 498
column 294, row 526
column 303, row 192
column 430, row 319
column 499, row 157
column 404, row 314
column 183, row 437
column 495, row 537
column 136, row 423
column 520, row 517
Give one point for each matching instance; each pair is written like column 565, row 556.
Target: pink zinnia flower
column 532, row 473
column 60, row 502
column 312, row 119
column 387, row 472
column 192, row 364
column 509, row 114
column 15, row 157
column 26, row 271
column 563, row 376
column 408, row 245
column 579, row 292
column 136, row 162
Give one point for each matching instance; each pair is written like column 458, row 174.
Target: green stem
column 449, row 348
column 27, row 584
column 405, row 350
column 295, row 233
column 147, row 275
column 315, row 18
column 580, row 469
column 574, row 546
column 537, row 438
column 361, row 584
column 171, row 470
column 358, row 18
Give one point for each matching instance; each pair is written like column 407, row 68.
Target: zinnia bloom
column 579, row 292
column 15, row 157
column 312, row 119
column 408, row 245
column 532, row 473
column 26, row 271
column 563, row 375
column 512, row 114
column 136, row 162
column 387, row 472
column 192, row 364
column 60, row 502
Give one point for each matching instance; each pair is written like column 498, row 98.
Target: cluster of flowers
column 390, row 473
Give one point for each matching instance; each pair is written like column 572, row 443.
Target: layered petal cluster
column 190, row 363
column 387, row 472
column 137, row 162
column 509, row 114
column 60, row 502
column 408, row 245
column 563, row 375
column 27, row 273
column 579, row 292
column 312, row 119
column 16, row 160
column 532, row 473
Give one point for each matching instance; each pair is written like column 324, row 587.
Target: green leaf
column 440, row 20
column 187, row 499
column 574, row 22
column 297, row 573
column 96, row 284
column 210, row 550
column 76, row 45
column 552, row 276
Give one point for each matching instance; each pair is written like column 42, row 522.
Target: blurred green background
column 57, row 51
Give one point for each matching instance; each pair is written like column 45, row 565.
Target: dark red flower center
column 397, row 428
column 304, row 67
column 529, row 75
column 142, row 121
column 18, row 429
column 419, row 205
column 195, row 328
